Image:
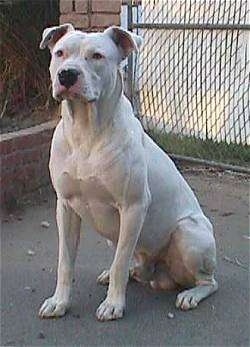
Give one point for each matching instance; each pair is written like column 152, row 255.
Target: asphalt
column 28, row 264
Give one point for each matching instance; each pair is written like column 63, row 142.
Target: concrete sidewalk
column 29, row 256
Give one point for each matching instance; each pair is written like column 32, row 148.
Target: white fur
column 108, row 173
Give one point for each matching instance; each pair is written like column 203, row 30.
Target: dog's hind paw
column 186, row 300
column 53, row 308
column 109, row 311
column 103, row 278
column 190, row 298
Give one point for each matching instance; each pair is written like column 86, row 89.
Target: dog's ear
column 53, row 34
column 126, row 41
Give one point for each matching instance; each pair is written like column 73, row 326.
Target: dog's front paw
column 109, row 310
column 52, row 308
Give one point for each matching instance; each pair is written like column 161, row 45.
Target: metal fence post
column 130, row 58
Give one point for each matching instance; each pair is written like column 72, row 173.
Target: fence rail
column 190, row 26
column 190, row 83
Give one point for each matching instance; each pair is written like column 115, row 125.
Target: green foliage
column 204, row 149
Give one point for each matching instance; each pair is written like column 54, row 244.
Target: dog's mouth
column 72, row 93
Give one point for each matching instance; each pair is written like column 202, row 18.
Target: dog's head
column 85, row 65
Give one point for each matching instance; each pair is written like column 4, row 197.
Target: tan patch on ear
column 53, row 34
column 125, row 41
column 126, row 44
column 58, row 34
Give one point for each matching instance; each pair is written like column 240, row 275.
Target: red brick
column 26, row 141
column 44, row 149
column 24, row 156
column 10, row 161
column 18, row 179
column 4, row 147
column 46, row 136
column 104, row 20
column 7, row 146
column 80, row 21
column 29, row 173
column 2, row 199
column 32, row 155
column 6, row 181
column 66, row 6
column 41, row 138
column 107, row 6
column 81, row 6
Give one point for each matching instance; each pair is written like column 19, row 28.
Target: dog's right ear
column 53, row 34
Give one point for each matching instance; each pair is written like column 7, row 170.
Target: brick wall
column 24, row 156
column 90, row 15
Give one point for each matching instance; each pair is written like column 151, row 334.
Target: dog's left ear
column 126, row 41
column 53, row 34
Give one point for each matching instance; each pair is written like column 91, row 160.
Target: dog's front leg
column 69, row 232
column 131, row 222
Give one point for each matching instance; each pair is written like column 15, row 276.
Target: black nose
column 68, row 78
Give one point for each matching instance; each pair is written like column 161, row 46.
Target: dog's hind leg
column 103, row 278
column 140, row 269
column 190, row 298
column 69, row 233
column 191, row 260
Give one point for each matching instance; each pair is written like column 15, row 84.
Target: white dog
column 108, row 173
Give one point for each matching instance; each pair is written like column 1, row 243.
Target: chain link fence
column 191, row 79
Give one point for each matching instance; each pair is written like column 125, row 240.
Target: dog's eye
column 59, row 53
column 97, row 56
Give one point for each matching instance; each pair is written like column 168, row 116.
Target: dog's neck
column 85, row 124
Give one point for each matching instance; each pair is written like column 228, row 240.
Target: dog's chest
column 87, row 194
column 80, row 180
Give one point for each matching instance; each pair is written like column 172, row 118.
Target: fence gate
column 190, row 82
